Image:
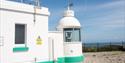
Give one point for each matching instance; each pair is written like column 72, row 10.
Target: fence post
column 35, row 60
column 122, row 45
column 110, row 46
column 97, row 47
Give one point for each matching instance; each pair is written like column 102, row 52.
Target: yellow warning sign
column 39, row 41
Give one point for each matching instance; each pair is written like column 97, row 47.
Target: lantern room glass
column 72, row 35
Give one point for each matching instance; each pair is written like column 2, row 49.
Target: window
column 20, row 38
column 76, row 34
column 72, row 35
column 68, row 36
column 20, row 34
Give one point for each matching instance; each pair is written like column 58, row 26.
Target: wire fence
column 98, row 47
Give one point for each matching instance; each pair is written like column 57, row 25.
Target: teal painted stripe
column 61, row 60
column 66, row 60
column 74, row 59
column 46, row 62
column 19, row 49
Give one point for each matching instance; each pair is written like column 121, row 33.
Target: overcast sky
column 101, row 20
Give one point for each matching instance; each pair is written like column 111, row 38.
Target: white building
column 24, row 35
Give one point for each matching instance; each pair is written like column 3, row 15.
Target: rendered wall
column 12, row 13
column 72, row 49
column 56, row 40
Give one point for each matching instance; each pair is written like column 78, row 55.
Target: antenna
column 37, row 3
column 70, row 4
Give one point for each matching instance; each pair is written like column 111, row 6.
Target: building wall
column 12, row 13
column 72, row 49
column 64, row 52
column 56, row 41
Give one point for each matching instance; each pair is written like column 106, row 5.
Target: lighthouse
column 71, row 28
column 28, row 40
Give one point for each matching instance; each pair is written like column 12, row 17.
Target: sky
column 101, row 20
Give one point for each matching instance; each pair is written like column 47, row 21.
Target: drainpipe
column 51, row 48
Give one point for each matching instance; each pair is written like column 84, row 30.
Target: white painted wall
column 72, row 49
column 7, row 30
column 56, row 37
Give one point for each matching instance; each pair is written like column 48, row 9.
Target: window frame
column 79, row 33
column 25, row 35
column 72, row 30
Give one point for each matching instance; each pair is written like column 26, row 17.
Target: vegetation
column 96, row 47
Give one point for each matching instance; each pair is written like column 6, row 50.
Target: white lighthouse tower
column 70, row 26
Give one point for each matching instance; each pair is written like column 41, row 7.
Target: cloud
column 110, row 5
column 115, row 4
column 112, row 18
column 105, row 21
